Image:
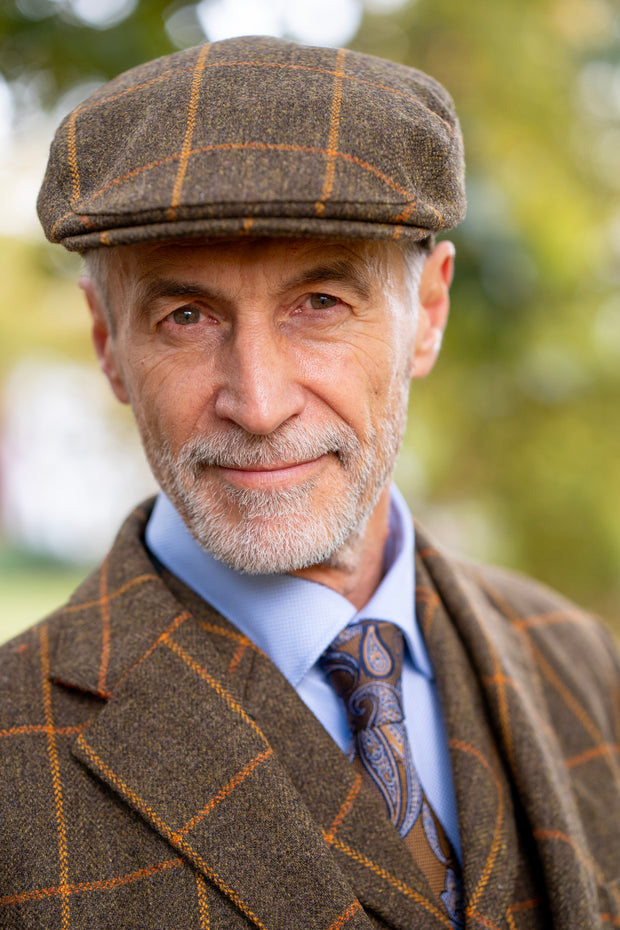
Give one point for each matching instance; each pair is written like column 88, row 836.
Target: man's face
column 269, row 380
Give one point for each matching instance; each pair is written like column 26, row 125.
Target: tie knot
column 364, row 667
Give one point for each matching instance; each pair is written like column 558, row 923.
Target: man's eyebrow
column 341, row 271
column 159, row 288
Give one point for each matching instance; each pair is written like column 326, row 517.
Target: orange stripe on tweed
column 203, row 902
column 223, row 793
column 236, row 659
column 347, row 805
column 167, row 831
column 519, row 907
column 72, row 156
column 258, row 147
column 86, row 605
column 227, row 634
column 176, row 623
column 391, row 879
column 257, row 64
column 332, row 143
column 210, row 680
column 584, row 857
column 499, row 819
column 189, row 132
column 104, row 884
column 34, row 729
column 105, row 628
column 56, row 780
column 352, row 909
column 605, row 749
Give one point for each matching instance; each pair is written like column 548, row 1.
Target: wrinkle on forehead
column 252, row 248
column 123, row 271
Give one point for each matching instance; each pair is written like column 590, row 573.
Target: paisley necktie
column 364, row 666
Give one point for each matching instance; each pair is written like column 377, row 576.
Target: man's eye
column 185, row 316
column 322, row 301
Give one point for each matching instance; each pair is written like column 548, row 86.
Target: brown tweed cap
column 256, row 135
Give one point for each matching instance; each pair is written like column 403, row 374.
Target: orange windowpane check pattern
column 162, row 772
column 300, row 177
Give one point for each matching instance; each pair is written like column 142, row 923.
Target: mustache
column 289, row 444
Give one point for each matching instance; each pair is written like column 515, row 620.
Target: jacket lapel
column 182, row 751
column 511, row 788
column 483, row 797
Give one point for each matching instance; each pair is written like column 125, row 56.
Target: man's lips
column 272, row 475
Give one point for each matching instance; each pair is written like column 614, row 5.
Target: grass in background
column 31, row 587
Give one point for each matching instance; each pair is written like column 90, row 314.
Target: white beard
column 275, row 530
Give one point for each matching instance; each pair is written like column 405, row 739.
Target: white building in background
column 71, row 468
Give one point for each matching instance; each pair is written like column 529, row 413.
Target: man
column 258, row 221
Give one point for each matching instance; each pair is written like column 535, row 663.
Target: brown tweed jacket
column 159, row 773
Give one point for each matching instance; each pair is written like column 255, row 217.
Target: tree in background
column 526, row 401
column 514, row 448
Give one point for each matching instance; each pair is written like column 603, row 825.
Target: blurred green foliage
column 514, row 445
column 44, row 42
column 518, row 427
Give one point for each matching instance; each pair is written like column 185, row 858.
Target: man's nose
column 259, row 390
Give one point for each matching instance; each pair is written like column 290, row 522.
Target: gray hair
column 97, row 268
column 415, row 254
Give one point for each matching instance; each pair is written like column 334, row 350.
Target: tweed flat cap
column 256, row 135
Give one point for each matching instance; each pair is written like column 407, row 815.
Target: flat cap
column 261, row 136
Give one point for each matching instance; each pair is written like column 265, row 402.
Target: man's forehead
column 151, row 257
column 136, row 275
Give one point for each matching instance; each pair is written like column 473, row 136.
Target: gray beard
column 280, row 529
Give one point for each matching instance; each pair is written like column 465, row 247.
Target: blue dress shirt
column 294, row 620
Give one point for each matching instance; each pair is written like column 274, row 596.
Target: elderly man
column 258, row 223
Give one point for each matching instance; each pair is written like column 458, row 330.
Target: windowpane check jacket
column 158, row 771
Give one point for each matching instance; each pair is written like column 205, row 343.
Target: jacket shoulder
column 25, row 676
column 527, row 603
column 559, row 646
column 573, row 651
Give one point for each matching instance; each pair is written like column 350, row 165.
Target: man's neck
column 357, row 571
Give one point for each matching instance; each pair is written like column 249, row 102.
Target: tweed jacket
column 159, row 773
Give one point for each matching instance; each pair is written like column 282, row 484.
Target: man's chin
column 278, row 544
column 267, row 545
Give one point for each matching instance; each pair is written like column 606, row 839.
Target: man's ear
column 434, row 295
column 103, row 340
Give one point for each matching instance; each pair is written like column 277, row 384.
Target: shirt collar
column 291, row 619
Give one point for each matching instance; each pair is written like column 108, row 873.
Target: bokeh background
column 513, row 449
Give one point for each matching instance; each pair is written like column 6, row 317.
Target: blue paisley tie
column 364, row 666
